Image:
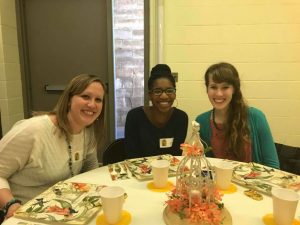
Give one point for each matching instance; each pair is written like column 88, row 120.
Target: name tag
column 165, row 142
column 77, row 156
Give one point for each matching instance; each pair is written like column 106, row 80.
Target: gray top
column 34, row 156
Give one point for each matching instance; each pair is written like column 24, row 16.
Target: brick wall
column 128, row 30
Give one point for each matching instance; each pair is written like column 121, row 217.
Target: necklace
column 70, row 162
column 77, row 154
column 214, row 121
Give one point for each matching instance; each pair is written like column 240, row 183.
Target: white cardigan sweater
column 34, row 156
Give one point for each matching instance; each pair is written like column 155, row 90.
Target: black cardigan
column 142, row 138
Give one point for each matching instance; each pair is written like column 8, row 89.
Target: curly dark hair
column 237, row 131
column 160, row 71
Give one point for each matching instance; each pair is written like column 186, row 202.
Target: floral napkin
column 140, row 168
column 119, row 171
column 262, row 178
column 63, row 203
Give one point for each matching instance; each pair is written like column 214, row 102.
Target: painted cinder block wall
column 260, row 37
column 11, row 101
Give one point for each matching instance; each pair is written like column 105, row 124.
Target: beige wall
column 11, row 102
column 260, row 37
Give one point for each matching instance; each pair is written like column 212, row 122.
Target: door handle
column 48, row 87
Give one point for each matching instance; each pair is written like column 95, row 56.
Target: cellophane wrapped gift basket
column 195, row 200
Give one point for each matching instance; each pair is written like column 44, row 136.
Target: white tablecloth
column 146, row 207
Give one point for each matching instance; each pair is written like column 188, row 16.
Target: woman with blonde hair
column 233, row 129
column 38, row 152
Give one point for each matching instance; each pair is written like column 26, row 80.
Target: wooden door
column 61, row 39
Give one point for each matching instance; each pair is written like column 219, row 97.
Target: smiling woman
column 45, row 149
column 232, row 129
column 160, row 128
column 86, row 107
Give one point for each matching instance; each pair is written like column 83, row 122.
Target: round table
column 146, row 207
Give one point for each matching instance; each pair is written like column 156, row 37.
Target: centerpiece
column 195, row 200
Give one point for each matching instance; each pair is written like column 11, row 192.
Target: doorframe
column 110, row 78
column 146, row 49
column 24, row 57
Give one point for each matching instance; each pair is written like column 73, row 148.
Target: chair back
column 289, row 158
column 115, row 152
column 1, row 216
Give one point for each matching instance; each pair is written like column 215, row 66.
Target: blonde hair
column 75, row 87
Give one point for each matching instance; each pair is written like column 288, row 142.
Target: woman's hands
column 8, row 203
column 12, row 209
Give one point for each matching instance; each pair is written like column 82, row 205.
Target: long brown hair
column 75, row 87
column 236, row 128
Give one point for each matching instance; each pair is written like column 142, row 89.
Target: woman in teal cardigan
column 232, row 129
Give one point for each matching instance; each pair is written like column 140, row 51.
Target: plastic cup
column 223, row 176
column 112, row 202
column 160, row 171
column 285, row 203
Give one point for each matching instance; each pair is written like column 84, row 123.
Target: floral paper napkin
column 119, row 171
column 63, row 203
column 262, row 178
column 140, row 168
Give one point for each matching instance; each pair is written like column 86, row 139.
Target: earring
column 176, row 103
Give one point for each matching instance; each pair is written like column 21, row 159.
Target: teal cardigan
column 262, row 144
